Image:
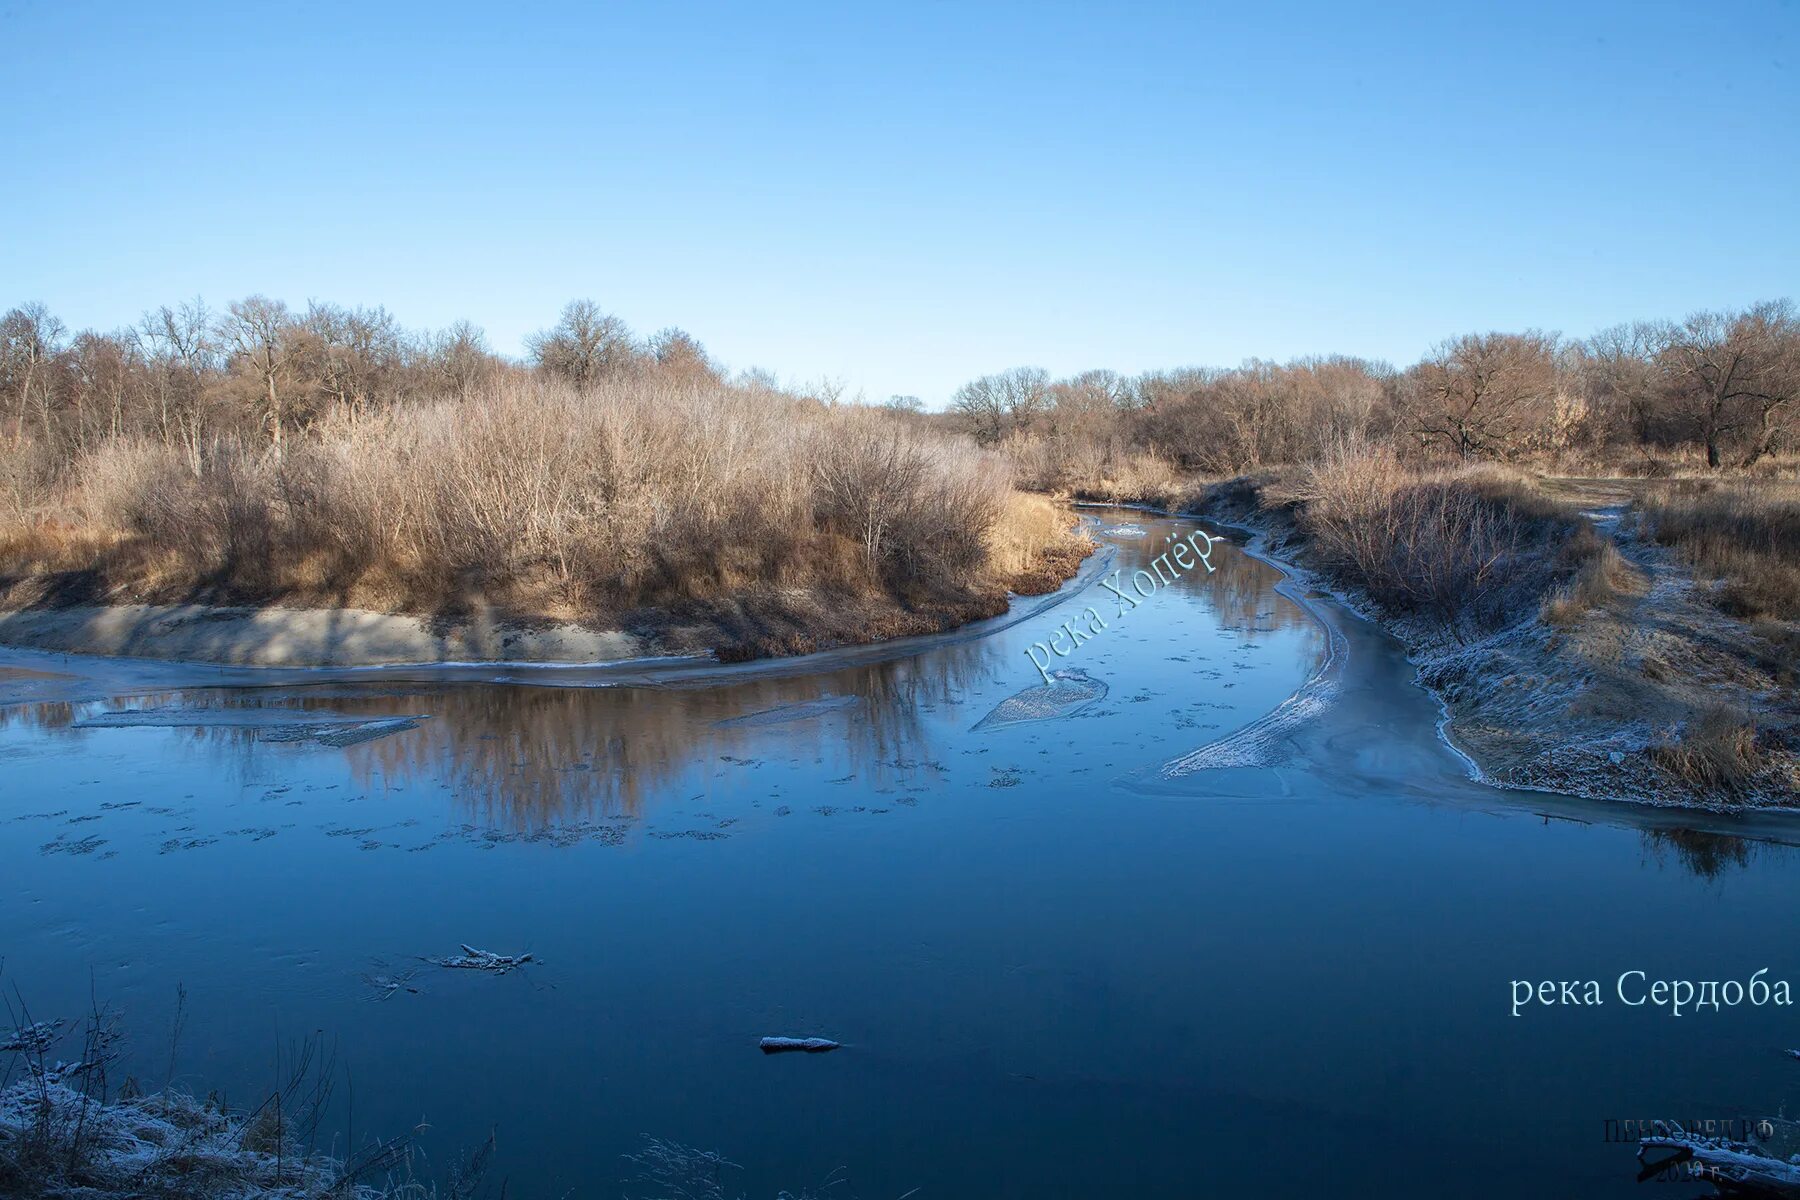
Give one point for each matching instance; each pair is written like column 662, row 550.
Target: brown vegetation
column 1468, row 548
column 1715, row 390
column 328, row 459
column 546, row 499
column 1717, row 750
column 1745, row 535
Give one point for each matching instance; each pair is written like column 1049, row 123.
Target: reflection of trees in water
column 522, row 757
column 1707, row 855
column 1240, row 588
column 43, row 715
column 235, row 748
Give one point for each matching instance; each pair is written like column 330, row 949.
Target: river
column 1067, row 956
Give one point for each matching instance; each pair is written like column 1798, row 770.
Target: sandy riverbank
column 305, row 637
column 353, row 639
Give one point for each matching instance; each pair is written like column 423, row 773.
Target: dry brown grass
column 1603, row 579
column 1744, row 534
column 543, row 499
column 1036, row 544
column 1469, row 548
column 1716, row 751
column 1096, row 468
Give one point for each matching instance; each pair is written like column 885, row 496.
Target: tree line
column 188, row 375
column 1719, row 386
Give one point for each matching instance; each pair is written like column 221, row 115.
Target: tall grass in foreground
column 546, row 499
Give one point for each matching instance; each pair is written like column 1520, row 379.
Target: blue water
column 1059, row 969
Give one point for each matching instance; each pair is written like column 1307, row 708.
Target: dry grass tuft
column 1716, row 751
column 1604, row 578
column 1036, row 545
column 1745, row 535
column 1094, row 468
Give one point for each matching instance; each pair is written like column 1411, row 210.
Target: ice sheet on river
column 800, row 711
column 1073, row 691
column 269, row 724
column 1264, row 741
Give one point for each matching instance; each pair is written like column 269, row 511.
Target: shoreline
column 624, row 670
column 1296, row 582
column 1604, row 762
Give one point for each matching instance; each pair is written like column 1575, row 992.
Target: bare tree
column 865, row 478
column 459, row 356
column 993, row 404
column 585, row 346
column 102, row 370
column 1481, row 394
column 260, row 334
column 182, row 355
column 1731, row 376
column 679, row 354
column 349, row 355
column 1618, row 374
column 30, row 339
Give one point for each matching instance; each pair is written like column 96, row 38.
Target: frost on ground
column 1073, row 691
column 57, row 1141
column 1734, row 1168
column 67, row 1133
column 1655, row 697
column 1648, row 693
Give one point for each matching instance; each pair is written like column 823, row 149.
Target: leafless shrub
column 1464, row 548
column 556, row 499
column 65, row 1132
column 27, row 475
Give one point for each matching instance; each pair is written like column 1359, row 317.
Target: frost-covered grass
column 58, row 1140
column 67, row 1133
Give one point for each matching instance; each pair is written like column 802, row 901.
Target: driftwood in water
column 787, row 1045
column 472, row 959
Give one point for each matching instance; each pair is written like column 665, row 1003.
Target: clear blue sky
column 910, row 195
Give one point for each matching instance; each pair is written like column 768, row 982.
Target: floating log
column 787, row 1045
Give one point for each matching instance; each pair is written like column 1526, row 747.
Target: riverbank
column 762, row 624
column 531, row 521
column 1597, row 667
